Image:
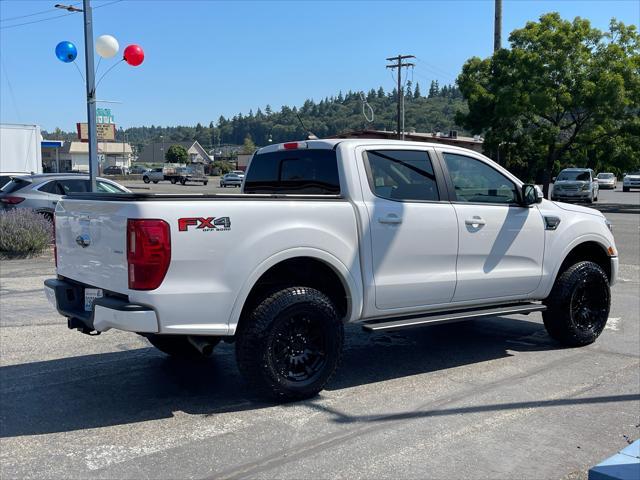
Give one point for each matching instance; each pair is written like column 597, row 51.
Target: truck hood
column 578, row 209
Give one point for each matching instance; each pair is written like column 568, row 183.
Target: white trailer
column 20, row 151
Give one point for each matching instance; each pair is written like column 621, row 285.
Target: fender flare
column 352, row 287
column 589, row 237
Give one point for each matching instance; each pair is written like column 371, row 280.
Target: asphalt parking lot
column 483, row 399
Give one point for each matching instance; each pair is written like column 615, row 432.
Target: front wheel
column 146, row 179
column 205, row 182
column 578, row 306
column 291, row 344
column 183, row 181
column 173, row 181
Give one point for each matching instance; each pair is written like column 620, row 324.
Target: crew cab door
column 501, row 242
column 412, row 229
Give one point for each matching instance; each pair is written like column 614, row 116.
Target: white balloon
column 107, row 46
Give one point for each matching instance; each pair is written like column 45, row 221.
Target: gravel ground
column 483, row 399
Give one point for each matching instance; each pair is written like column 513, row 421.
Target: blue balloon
column 66, row 52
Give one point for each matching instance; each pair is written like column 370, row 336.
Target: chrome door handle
column 475, row 221
column 390, row 219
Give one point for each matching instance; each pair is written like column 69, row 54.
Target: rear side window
column 403, row 175
column 74, row 186
column 294, row 172
column 50, row 187
column 14, row 185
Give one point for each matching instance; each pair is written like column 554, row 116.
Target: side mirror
column 553, row 180
column 530, row 194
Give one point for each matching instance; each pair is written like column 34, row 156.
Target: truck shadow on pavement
column 139, row 385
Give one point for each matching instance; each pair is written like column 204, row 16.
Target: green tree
column 416, row 92
column 248, row 145
column 564, row 92
column 434, row 89
column 176, row 154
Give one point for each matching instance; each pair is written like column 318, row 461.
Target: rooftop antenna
column 310, row 135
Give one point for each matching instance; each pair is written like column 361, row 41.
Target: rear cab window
column 303, row 171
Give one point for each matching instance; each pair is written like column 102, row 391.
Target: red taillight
column 10, row 200
column 148, row 253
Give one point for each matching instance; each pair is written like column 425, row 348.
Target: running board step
column 451, row 316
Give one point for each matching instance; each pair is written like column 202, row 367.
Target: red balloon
column 133, row 55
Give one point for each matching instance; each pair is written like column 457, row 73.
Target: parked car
column 607, row 180
column 631, row 180
column 575, row 184
column 138, row 169
column 115, row 170
column 154, row 175
column 388, row 234
column 42, row 192
column 231, row 179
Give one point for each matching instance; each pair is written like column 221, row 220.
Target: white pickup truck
column 326, row 232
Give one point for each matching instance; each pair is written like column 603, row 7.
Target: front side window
column 476, row 182
column 106, row 187
column 403, row 175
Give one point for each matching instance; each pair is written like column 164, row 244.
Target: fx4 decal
column 209, row 224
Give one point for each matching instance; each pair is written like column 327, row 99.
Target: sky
column 205, row 58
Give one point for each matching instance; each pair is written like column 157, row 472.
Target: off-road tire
column 566, row 319
column 265, row 345
column 176, row 346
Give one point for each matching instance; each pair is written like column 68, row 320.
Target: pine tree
column 416, row 92
column 381, row 92
column 408, row 93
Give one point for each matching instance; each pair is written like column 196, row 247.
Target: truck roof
column 330, row 143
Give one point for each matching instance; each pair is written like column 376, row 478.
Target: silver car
column 607, row 180
column 42, row 192
column 232, row 179
column 575, row 185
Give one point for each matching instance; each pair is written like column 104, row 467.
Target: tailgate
column 91, row 242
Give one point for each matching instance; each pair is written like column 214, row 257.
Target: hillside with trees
column 433, row 111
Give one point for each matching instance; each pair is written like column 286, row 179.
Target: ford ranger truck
column 387, row 234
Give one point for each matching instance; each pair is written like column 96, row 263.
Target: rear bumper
column 108, row 312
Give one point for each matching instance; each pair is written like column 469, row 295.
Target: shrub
column 24, row 232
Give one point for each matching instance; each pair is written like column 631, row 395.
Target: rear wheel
column 291, row 344
column 178, row 345
column 173, row 181
column 205, row 182
column 183, row 181
column 578, row 306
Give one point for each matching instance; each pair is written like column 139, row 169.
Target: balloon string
column 108, row 70
column 98, row 67
column 79, row 71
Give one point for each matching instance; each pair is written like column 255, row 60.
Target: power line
column 50, row 10
column 7, row 27
column 400, row 64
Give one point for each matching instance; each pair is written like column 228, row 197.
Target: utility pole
column 399, row 65
column 91, row 94
column 497, row 27
column 91, row 87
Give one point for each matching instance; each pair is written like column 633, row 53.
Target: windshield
column 238, row 172
column 605, row 175
column 578, row 175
